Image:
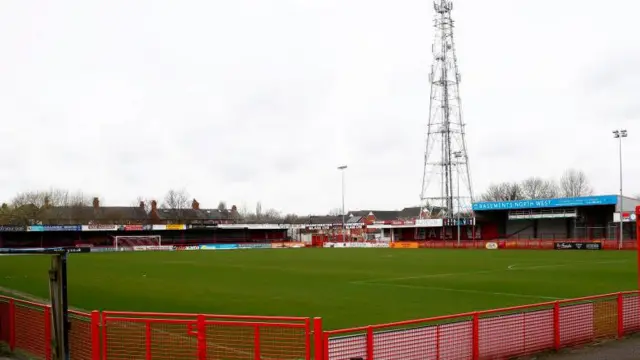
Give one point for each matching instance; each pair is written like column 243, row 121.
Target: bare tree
column 290, row 218
column 258, row 210
column 335, row 212
column 574, row 183
column 503, row 192
column 222, row 206
column 176, row 200
column 53, row 205
column 538, row 188
column 144, row 202
column 272, row 215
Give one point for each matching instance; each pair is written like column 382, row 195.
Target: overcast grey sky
column 249, row 100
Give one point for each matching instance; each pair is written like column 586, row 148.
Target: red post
column 370, row 343
column 317, row 338
column 437, row 342
column 202, row 338
column 95, row 335
column 325, row 344
column 620, row 315
column 104, row 336
column 256, row 343
column 147, row 340
column 638, row 242
column 12, row 324
column 475, row 340
column 556, row 326
column 47, row 332
column 307, row 339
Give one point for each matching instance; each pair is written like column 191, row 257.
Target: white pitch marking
column 466, row 291
column 508, row 268
column 515, row 266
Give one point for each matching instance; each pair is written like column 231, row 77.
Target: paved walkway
column 627, row 349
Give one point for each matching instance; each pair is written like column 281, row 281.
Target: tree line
column 573, row 183
column 30, row 207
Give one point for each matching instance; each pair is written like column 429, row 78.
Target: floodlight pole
column 342, row 168
column 458, row 155
column 619, row 134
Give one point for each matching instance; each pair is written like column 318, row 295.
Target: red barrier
column 128, row 335
column 501, row 333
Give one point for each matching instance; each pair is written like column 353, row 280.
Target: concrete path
column 626, row 349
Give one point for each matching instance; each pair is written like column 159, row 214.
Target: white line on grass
column 508, row 268
column 471, row 291
column 515, row 266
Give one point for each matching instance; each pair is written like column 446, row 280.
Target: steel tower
column 446, row 181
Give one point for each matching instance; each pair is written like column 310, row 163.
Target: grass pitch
column 346, row 287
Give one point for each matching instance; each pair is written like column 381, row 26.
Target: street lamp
column 458, row 155
column 342, row 168
column 619, row 134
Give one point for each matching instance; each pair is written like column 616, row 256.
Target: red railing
column 128, row 335
column 500, row 333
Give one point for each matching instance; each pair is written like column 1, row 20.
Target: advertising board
column 218, row 247
column 491, row 246
column 404, row 245
column 561, row 245
column 254, row 246
column 103, row 249
column 289, row 244
column 153, row 248
column 98, row 227
column 176, row 227
column 186, row 247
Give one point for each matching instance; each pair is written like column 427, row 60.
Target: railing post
column 147, row 339
column 475, row 340
column 95, row 335
column 370, row 343
column 103, row 320
column 202, row 338
column 325, row 345
column 556, row 325
column 12, row 325
column 256, row 343
column 47, row 332
column 317, row 338
column 620, row 315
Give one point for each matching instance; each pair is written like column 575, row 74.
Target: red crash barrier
column 495, row 334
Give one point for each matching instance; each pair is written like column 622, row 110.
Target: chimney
column 154, row 205
column 142, row 205
column 195, row 205
column 96, row 203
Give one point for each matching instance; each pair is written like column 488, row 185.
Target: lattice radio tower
column 446, row 181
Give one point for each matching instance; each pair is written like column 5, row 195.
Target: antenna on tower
column 446, row 181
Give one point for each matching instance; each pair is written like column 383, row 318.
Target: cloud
column 249, row 101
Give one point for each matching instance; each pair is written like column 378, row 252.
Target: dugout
column 589, row 217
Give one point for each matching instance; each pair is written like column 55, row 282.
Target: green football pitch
column 346, row 287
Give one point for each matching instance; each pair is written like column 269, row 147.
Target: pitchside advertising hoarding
column 562, row 245
column 547, row 203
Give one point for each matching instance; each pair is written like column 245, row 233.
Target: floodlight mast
column 446, row 128
column 619, row 134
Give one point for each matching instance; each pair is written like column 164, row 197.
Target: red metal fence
column 26, row 328
column 494, row 334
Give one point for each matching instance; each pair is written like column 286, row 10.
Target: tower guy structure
column 446, row 182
